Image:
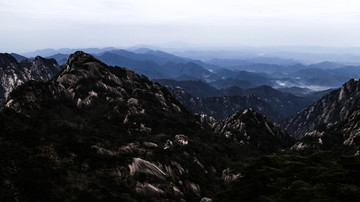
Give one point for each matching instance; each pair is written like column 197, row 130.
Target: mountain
column 173, row 70
column 104, row 133
column 298, row 91
column 284, row 103
column 147, row 67
column 223, row 106
column 196, row 88
column 155, row 67
column 342, row 138
column 323, row 77
column 60, row 58
column 230, row 82
column 18, row 57
column 251, row 128
column 13, row 74
column 228, row 63
column 259, row 64
column 253, row 77
column 156, row 56
column 49, row 51
column 315, row 96
column 326, row 65
column 331, row 108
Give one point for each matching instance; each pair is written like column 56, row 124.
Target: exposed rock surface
column 343, row 137
column 254, row 130
column 14, row 73
column 330, row 109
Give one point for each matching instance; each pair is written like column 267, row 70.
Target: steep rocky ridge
column 330, row 109
column 251, row 128
column 342, row 138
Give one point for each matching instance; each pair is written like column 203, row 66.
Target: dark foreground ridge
column 103, row 133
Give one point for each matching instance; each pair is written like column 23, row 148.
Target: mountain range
column 88, row 131
column 223, row 106
column 95, row 127
column 285, row 104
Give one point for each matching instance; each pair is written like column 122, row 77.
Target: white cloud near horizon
column 28, row 25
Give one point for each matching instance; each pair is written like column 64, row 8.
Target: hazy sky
column 36, row 24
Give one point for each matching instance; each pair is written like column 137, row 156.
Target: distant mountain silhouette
column 223, row 106
column 229, row 82
column 18, row 57
column 284, row 103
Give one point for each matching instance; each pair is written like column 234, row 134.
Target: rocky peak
column 79, row 57
column 253, row 130
column 111, row 92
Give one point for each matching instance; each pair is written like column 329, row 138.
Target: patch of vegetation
column 323, row 176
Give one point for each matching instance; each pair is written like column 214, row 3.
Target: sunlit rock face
column 330, row 109
column 13, row 74
column 255, row 130
column 343, row 137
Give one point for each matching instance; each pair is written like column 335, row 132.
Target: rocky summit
column 254, row 130
column 104, row 133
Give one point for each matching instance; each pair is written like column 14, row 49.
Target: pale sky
column 27, row 25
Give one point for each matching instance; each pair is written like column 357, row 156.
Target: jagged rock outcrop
column 224, row 106
column 253, row 130
column 330, row 109
column 14, row 73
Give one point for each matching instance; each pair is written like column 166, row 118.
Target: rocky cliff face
column 343, row 137
column 224, row 106
column 330, row 109
column 13, row 74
